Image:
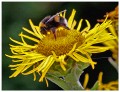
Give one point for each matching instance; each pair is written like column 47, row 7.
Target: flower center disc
column 65, row 39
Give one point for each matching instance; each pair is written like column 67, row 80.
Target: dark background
column 15, row 15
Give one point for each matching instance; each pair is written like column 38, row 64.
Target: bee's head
column 62, row 21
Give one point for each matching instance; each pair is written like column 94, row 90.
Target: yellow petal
column 45, row 71
column 86, row 80
column 30, row 38
column 70, row 20
column 79, row 25
column 16, row 41
column 73, row 25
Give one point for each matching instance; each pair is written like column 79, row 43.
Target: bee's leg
column 54, row 31
column 43, row 30
column 67, row 28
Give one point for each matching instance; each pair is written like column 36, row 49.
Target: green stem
column 113, row 63
column 75, row 85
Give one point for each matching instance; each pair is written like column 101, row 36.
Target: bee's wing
column 50, row 19
column 45, row 19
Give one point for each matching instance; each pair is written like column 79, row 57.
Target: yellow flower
column 113, row 29
column 112, row 85
column 113, row 43
column 73, row 43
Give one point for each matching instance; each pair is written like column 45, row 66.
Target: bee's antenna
column 61, row 12
column 55, row 15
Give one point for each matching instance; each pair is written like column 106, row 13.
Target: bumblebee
column 51, row 23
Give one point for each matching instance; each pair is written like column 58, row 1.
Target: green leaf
column 72, row 79
column 95, row 86
column 69, row 79
column 60, row 82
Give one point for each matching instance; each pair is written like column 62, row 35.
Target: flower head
column 113, row 29
column 112, row 85
column 74, row 43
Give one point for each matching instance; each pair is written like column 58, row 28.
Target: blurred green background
column 15, row 15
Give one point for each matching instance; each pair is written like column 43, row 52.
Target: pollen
column 65, row 39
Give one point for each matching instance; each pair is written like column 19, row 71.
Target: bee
column 51, row 23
